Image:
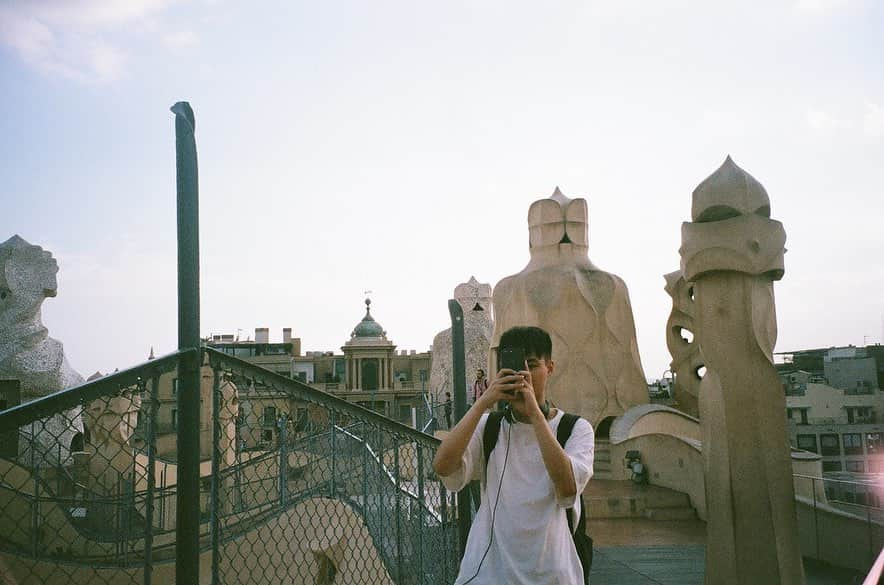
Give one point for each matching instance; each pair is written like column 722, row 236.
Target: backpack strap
column 563, row 433
column 566, row 425
column 490, row 434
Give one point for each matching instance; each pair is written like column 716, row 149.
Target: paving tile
column 683, row 565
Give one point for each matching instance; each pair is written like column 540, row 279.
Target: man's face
column 480, row 375
column 540, row 369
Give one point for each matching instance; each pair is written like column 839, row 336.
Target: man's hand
column 514, row 387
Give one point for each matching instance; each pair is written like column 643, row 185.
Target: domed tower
column 368, row 356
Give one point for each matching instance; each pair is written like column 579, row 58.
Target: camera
column 512, row 358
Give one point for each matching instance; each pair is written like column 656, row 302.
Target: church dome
column 368, row 327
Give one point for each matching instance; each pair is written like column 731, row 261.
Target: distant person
column 448, row 410
column 480, row 385
column 521, row 533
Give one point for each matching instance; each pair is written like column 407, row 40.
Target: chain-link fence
column 296, row 485
column 432, row 416
column 84, row 494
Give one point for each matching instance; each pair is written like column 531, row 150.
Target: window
column 174, row 419
column 830, row 445
column 853, row 444
column 875, row 442
column 860, row 415
column 267, row 435
column 807, row 443
column 174, row 387
column 875, row 466
column 831, row 466
column 855, row 466
column 797, row 415
column 269, row 417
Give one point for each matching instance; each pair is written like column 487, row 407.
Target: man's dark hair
column 534, row 340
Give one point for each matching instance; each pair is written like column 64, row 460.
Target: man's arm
column 450, row 453
column 451, row 450
column 556, row 461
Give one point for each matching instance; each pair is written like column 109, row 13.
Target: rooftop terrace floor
column 639, row 551
column 683, row 565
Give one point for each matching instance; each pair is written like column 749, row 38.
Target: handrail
column 68, row 398
column 311, row 393
column 874, row 576
column 389, row 475
column 824, row 480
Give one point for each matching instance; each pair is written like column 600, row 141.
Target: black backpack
column 582, row 541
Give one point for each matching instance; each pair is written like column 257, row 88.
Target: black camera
column 512, row 358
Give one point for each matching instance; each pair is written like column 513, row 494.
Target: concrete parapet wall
column 838, row 537
column 672, row 463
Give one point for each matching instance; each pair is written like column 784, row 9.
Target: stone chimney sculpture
column 475, row 300
column 585, row 310
column 683, row 346
column 28, row 354
column 731, row 253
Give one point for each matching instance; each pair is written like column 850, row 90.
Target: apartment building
column 835, row 406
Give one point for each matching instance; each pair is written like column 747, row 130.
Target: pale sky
column 395, row 146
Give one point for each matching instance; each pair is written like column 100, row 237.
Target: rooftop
column 683, row 565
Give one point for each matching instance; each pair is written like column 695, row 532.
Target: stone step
column 606, row 498
column 670, row 513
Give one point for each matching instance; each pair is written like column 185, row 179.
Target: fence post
column 283, row 462
column 398, row 489
column 216, row 470
column 460, row 408
column 151, row 478
column 333, row 421
column 816, row 528
column 188, row 510
column 423, row 508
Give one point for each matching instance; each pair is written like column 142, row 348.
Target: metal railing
column 342, row 492
column 433, row 416
column 840, row 521
column 356, row 486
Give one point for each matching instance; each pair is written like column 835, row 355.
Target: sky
column 395, row 146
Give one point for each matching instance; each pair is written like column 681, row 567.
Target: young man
column 480, row 385
column 520, row 533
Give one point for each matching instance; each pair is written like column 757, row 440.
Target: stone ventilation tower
column 585, row 310
column 731, row 253
column 475, row 300
column 30, row 355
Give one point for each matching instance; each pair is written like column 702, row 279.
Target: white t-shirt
column 531, row 543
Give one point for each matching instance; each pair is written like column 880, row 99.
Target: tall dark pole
column 464, row 510
column 187, row 551
column 457, row 359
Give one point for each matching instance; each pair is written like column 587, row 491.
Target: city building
column 370, row 372
column 835, row 406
